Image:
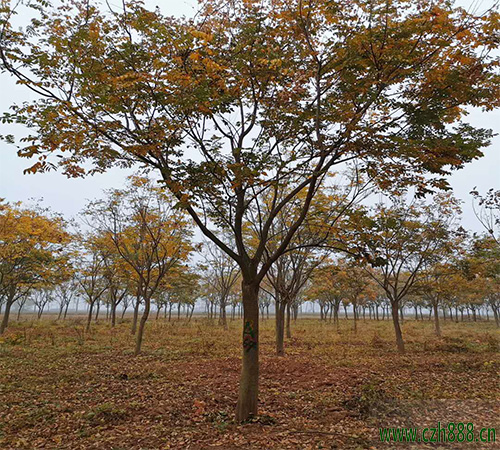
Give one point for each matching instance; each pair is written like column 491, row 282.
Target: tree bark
column 89, row 318
column 6, row 314
column 397, row 327
column 437, row 327
column 280, row 328
column 136, row 316
column 142, row 324
column 288, row 329
column 249, row 380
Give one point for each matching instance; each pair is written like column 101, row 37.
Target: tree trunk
column 136, row 316
column 437, row 328
column 89, row 318
column 60, row 311
column 249, row 381
column 113, row 314
column 280, row 328
column 497, row 318
column 191, row 314
column 142, row 324
column 397, row 328
column 288, row 329
column 170, row 312
column 222, row 315
column 6, row 314
column 19, row 311
column 97, row 311
column 66, row 311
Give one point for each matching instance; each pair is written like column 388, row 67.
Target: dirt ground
column 63, row 389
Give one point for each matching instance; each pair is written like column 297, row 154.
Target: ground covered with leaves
column 61, row 388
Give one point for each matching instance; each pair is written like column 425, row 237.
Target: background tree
column 222, row 273
column 386, row 84
column 148, row 232
column 32, row 242
column 400, row 241
column 487, row 210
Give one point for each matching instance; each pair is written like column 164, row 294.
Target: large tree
column 251, row 97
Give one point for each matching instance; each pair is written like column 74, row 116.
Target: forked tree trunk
column 397, row 327
column 437, row 327
column 66, row 311
column 249, row 381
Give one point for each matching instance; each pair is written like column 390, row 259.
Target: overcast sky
column 68, row 196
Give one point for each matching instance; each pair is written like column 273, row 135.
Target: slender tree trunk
column 336, row 315
column 280, row 328
column 437, row 328
column 170, row 312
column 288, row 329
column 416, row 313
column 397, row 328
column 124, row 310
column 191, row 313
column 89, row 318
column 142, row 324
column 345, row 312
column 222, row 314
column 355, row 314
column 421, row 314
column 60, row 311
column 113, row 313
column 19, row 312
column 6, row 314
column 136, row 316
column 497, row 318
column 97, row 311
column 249, row 381
column 66, row 311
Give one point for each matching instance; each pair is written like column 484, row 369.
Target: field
column 63, row 389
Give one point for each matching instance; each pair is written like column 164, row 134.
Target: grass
column 62, row 388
